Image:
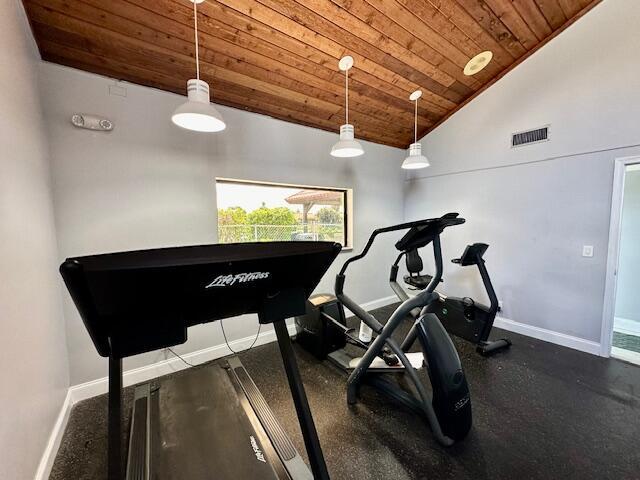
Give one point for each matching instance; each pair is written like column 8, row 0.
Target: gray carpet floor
column 540, row 412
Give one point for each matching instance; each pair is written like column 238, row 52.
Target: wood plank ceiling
column 279, row 57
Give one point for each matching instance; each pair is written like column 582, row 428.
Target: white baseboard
column 378, row 303
column 539, row 333
column 49, row 455
column 563, row 339
column 626, row 355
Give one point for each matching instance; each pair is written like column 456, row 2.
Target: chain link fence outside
column 275, row 233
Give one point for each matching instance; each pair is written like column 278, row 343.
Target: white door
column 622, row 305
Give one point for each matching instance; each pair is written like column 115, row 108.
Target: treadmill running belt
column 205, row 430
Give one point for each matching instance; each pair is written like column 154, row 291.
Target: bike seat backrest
column 413, row 261
column 472, row 254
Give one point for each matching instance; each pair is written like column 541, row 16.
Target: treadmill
column 208, row 421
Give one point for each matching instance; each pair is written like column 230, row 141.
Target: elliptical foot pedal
column 487, row 349
column 344, row 360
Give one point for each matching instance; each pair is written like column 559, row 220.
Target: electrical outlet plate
column 587, row 251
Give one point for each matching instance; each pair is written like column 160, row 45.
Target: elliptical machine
column 324, row 332
column 462, row 317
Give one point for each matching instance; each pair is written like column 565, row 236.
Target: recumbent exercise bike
column 462, row 317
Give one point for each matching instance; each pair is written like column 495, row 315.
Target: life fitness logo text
column 256, row 449
column 229, row 280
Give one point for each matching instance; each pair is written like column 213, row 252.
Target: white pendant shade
column 416, row 159
column 197, row 113
column 347, row 146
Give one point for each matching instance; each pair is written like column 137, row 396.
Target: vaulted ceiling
column 280, row 57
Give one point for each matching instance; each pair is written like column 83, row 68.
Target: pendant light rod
column 346, row 87
column 345, row 65
column 415, row 129
column 195, row 30
column 414, row 98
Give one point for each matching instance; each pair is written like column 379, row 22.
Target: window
column 269, row 212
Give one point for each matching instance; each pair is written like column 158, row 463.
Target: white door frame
column 608, row 312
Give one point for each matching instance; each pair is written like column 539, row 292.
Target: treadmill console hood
column 135, row 302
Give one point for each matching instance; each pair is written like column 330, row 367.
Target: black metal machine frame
column 448, row 411
column 119, row 296
column 462, row 317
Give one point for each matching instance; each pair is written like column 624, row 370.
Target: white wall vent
column 530, row 136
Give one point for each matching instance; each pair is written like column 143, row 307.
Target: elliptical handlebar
column 378, row 231
column 437, row 224
column 421, row 233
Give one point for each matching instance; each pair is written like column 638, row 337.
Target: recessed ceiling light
column 478, row 62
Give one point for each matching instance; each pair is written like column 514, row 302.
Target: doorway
column 621, row 325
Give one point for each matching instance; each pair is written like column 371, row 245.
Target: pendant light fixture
column 415, row 160
column 347, row 146
column 197, row 113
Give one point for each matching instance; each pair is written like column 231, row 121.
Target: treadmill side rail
column 138, row 458
column 287, row 452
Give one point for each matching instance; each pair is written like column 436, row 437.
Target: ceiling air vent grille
column 530, row 136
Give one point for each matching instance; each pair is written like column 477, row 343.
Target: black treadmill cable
column 183, row 360
column 225, row 341
column 239, row 351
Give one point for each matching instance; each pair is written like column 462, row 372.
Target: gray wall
column 538, row 205
column 149, row 184
column 33, row 359
column 627, row 298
